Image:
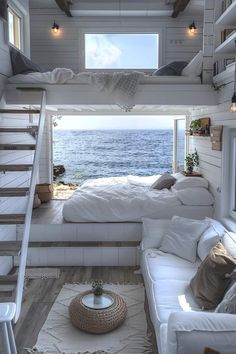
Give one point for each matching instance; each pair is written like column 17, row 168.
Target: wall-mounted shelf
column 229, row 15
column 228, row 46
column 225, row 76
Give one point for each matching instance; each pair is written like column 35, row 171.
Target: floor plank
column 40, row 295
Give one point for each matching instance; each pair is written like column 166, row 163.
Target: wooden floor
column 40, row 294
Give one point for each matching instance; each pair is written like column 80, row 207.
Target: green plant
column 195, row 124
column 97, row 287
column 191, row 161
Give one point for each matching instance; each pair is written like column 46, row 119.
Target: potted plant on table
column 192, row 160
column 97, row 288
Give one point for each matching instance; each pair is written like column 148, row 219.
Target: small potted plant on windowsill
column 192, row 160
column 97, row 288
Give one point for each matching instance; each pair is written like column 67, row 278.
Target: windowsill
column 229, row 223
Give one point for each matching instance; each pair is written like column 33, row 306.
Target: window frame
column 232, row 175
column 15, row 10
column 175, row 142
column 107, row 30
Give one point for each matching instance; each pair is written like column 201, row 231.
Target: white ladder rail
column 28, row 216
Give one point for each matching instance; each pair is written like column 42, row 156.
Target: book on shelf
column 220, row 65
column 225, row 4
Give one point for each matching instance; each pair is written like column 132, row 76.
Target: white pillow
column 213, row 234
column 194, row 68
column 195, row 196
column 229, row 242
column 182, row 237
column 153, row 231
column 190, row 182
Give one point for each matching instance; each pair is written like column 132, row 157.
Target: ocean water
column 104, row 153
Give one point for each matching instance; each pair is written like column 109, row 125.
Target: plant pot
column 45, row 192
column 189, row 169
column 37, row 201
column 97, row 299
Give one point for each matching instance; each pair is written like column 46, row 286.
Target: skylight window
column 14, row 28
column 121, row 51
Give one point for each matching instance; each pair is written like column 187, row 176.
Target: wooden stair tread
column 17, row 146
column 84, row 243
column 15, row 168
column 12, row 219
column 20, row 111
column 18, row 130
column 8, row 279
column 14, row 192
column 31, row 89
column 10, row 248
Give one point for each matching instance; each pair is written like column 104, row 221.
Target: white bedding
column 120, row 199
column 67, row 76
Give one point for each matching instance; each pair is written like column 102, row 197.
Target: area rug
column 58, row 335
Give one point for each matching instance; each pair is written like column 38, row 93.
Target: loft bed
column 177, row 83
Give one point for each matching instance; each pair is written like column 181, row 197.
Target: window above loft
column 121, row 51
column 15, row 28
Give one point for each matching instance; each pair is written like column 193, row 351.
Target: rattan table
column 97, row 320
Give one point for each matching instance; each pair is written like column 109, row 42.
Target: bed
column 130, row 198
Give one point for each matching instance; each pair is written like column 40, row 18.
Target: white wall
column 211, row 162
column 66, row 49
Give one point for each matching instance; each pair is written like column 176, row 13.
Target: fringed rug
column 42, row 273
column 58, row 335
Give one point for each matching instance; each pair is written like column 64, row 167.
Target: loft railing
column 29, row 208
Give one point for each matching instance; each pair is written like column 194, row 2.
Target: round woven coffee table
column 97, row 320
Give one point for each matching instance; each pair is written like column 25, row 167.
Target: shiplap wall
column 66, row 49
column 211, row 161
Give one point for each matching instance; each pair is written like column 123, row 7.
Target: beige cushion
column 211, row 281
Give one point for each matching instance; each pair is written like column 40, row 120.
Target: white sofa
column 181, row 327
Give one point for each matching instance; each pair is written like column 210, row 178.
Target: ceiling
column 158, row 8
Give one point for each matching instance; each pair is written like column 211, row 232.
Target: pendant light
column 233, row 100
column 192, row 28
column 55, row 27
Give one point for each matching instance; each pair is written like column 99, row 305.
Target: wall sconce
column 55, row 27
column 192, row 28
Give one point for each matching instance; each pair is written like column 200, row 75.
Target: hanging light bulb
column 233, row 100
column 55, row 27
column 192, row 28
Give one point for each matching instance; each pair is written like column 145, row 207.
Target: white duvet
column 117, row 199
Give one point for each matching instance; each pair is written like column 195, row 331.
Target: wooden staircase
column 11, row 285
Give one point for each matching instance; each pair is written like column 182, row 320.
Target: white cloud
column 100, row 52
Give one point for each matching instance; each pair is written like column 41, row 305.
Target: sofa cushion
column 229, row 242
column 182, row 237
column 228, row 304
column 211, row 281
column 164, row 181
column 152, row 232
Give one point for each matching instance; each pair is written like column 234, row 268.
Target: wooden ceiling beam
column 64, row 5
column 179, row 6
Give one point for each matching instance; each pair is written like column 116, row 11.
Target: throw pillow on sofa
column 229, row 241
column 211, row 280
column 182, row 237
column 228, row 304
column 153, row 232
column 164, row 181
column 213, row 234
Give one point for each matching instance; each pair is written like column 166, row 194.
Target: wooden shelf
column 225, row 76
column 229, row 16
column 228, row 46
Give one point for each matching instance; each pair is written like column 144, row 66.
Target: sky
column 121, row 51
column 115, row 122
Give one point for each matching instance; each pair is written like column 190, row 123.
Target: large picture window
column 121, row 51
column 14, row 28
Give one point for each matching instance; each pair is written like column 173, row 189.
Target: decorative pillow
column 194, row 68
column 228, row 304
column 191, row 182
column 153, row 232
column 210, row 238
column 172, row 69
column 229, row 242
column 21, row 64
column 165, row 181
column 195, row 196
column 211, row 281
column 182, row 236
